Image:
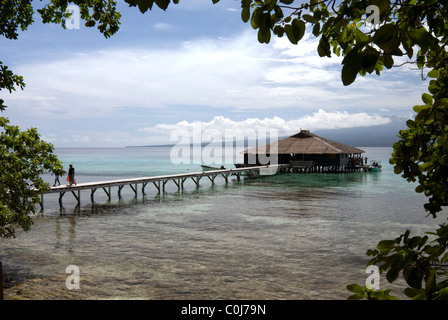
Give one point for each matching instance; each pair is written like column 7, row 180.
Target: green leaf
column 436, row 251
column 398, row 169
column 427, row 99
column 369, row 60
column 309, row 18
column 384, row 34
column 316, row 29
column 392, row 274
column 355, row 288
column 422, row 38
column 144, row 5
column 352, row 64
column 420, row 108
column 425, row 166
column 434, row 73
column 279, row 31
column 295, row 30
column 443, row 294
column 278, row 12
column 323, row 49
column 356, row 296
column 383, row 5
column 420, row 189
column 385, row 245
column 298, row 29
column 162, row 4
column 412, row 293
column 413, row 277
column 256, row 16
column 388, row 61
column 406, row 236
column 414, row 242
column 264, row 35
column 361, row 36
column 430, row 282
column 245, row 14
column 386, row 37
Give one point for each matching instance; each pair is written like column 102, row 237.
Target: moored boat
column 210, row 168
column 375, row 166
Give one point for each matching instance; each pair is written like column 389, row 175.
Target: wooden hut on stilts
column 307, row 152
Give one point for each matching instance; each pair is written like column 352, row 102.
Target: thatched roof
column 305, row 142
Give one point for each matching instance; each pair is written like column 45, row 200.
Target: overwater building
column 305, row 151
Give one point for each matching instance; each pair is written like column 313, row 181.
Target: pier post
column 134, row 189
column 77, row 197
column 157, row 185
column 108, row 193
column 61, row 194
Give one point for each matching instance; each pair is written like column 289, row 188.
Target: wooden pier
column 159, row 182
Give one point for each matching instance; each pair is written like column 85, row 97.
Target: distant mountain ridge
column 376, row 136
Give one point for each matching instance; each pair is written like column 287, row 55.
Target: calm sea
column 289, row 236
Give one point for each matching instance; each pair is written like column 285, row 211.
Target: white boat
column 210, row 168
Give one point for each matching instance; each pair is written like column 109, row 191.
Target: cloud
column 224, row 127
column 131, row 87
column 235, row 73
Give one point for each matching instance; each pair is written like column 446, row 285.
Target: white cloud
column 222, row 76
column 234, row 73
column 222, row 126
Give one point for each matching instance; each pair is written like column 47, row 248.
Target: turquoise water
column 289, row 236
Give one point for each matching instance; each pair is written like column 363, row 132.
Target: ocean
column 292, row 236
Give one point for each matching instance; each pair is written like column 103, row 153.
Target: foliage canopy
column 23, row 158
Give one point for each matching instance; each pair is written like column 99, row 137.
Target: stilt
column 107, row 192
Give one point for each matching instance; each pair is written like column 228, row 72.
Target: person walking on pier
column 71, row 175
column 56, row 179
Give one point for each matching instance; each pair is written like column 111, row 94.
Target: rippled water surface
column 289, row 236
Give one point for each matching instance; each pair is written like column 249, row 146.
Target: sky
column 196, row 65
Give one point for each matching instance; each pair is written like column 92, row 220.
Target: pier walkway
column 159, row 181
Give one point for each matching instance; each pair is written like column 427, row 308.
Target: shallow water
column 289, row 236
